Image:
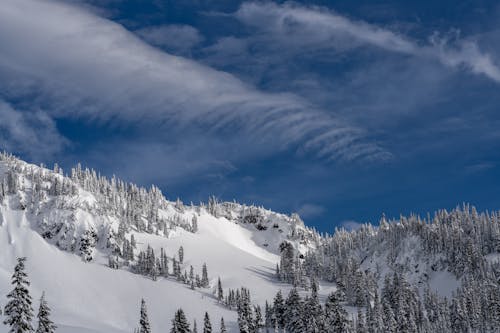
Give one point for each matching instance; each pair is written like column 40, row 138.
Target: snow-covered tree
column 204, row 277
column 144, row 326
column 18, row 309
column 207, row 326
column 222, row 326
column 180, row 323
column 45, row 324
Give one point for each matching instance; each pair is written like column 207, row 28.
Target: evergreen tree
column 207, row 326
column 220, row 291
column 204, row 277
column 313, row 313
column 181, row 255
column 45, row 325
column 279, row 310
column 144, row 326
column 335, row 316
column 259, row 323
column 180, row 323
column 18, row 310
column 293, row 313
column 222, row 326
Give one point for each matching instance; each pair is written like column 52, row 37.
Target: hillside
column 96, row 246
column 46, row 217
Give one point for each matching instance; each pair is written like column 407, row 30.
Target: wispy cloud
column 82, row 65
column 179, row 38
column 310, row 210
column 351, row 225
column 30, row 133
column 322, row 28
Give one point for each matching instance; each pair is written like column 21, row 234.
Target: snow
column 444, row 283
column 93, row 298
column 90, row 297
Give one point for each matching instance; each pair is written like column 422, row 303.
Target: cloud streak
column 322, row 28
column 180, row 38
column 30, row 133
column 80, row 65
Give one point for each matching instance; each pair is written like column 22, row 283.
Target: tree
column 313, row 312
column 45, row 325
column 294, row 313
column 220, row 291
column 195, row 327
column 204, row 277
column 18, row 310
column 181, row 255
column 335, row 316
column 207, row 326
column 259, row 321
column 144, row 326
column 180, row 323
column 222, row 326
column 279, row 310
column 194, row 224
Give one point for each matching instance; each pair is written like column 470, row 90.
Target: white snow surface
column 93, row 298
column 90, row 297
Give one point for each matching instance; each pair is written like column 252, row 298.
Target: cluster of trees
column 458, row 241
column 148, row 264
column 18, row 310
column 180, row 323
column 135, row 207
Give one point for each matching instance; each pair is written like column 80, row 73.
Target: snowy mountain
column 97, row 246
column 69, row 226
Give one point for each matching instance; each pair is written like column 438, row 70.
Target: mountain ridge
column 90, row 224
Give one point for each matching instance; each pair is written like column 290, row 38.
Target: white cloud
column 81, row 65
column 298, row 26
column 30, row 133
column 180, row 38
column 351, row 225
column 310, row 210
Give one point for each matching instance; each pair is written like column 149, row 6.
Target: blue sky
column 338, row 110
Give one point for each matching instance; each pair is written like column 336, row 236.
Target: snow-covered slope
column 74, row 228
column 48, row 225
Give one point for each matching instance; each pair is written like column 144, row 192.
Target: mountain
column 97, row 246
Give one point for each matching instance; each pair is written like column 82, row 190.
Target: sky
column 341, row 110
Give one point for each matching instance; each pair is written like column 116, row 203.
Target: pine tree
column 220, row 291
column 313, row 313
column 144, row 326
column 207, row 326
column 18, row 310
column 245, row 313
column 204, row 277
column 222, row 326
column 335, row 316
column 258, row 318
column 294, row 313
column 181, row 255
column 180, row 323
column 279, row 310
column 45, row 325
